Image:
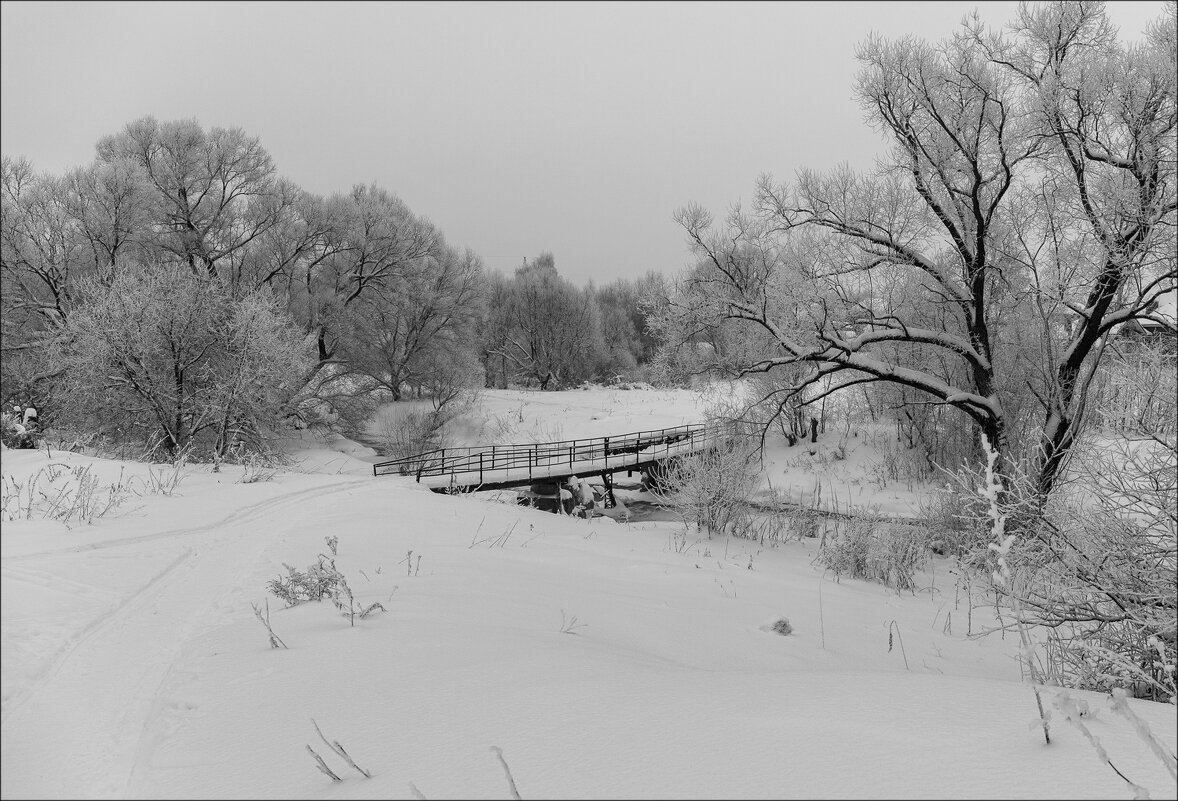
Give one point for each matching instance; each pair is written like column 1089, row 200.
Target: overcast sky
column 577, row 128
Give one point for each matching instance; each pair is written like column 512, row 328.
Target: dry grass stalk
column 275, row 640
column 510, row 780
column 334, row 745
column 323, row 765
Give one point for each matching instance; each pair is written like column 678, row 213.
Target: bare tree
column 399, row 338
column 1105, row 250
column 373, row 241
column 110, row 208
column 494, row 328
column 215, row 189
column 40, row 255
column 1027, row 210
column 552, row 330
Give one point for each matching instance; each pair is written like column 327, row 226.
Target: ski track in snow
column 53, row 751
column 239, row 515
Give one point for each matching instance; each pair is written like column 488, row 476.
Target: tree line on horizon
column 179, row 290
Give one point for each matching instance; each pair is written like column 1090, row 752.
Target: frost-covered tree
column 419, row 332
column 214, row 191
column 1027, row 209
column 381, row 295
column 370, row 243
column 41, row 256
column 174, row 360
column 628, row 343
column 550, row 330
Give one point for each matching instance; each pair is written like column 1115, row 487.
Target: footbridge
column 488, row 467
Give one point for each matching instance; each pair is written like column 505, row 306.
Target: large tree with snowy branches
column 1026, row 210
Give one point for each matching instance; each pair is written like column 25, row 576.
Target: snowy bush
column 896, row 553
column 1096, row 569
column 847, row 552
column 1134, row 389
column 297, row 586
column 897, row 463
column 712, row 489
column 256, row 467
column 167, row 479
column 410, row 432
column 782, row 626
column 62, row 493
column 320, row 580
column 866, row 548
column 410, row 428
column 12, row 433
column 18, row 428
column 947, row 513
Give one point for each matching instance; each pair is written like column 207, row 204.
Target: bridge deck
column 500, row 466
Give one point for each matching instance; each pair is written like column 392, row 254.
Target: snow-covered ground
column 604, row 659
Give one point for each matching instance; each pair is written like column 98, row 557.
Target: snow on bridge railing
column 543, row 457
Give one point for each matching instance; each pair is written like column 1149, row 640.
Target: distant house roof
column 1162, row 322
column 1166, row 311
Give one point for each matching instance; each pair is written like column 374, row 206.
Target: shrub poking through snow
column 275, row 640
column 321, row 580
column 782, row 626
column 256, row 468
column 297, row 586
column 871, row 550
column 349, row 609
column 63, row 493
column 846, row 553
column 711, row 489
column 168, row 478
column 570, row 625
column 897, row 553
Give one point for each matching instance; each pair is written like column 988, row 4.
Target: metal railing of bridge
column 543, row 458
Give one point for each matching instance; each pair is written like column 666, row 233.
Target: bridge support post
column 608, row 480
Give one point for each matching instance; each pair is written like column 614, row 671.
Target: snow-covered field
column 604, row 659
